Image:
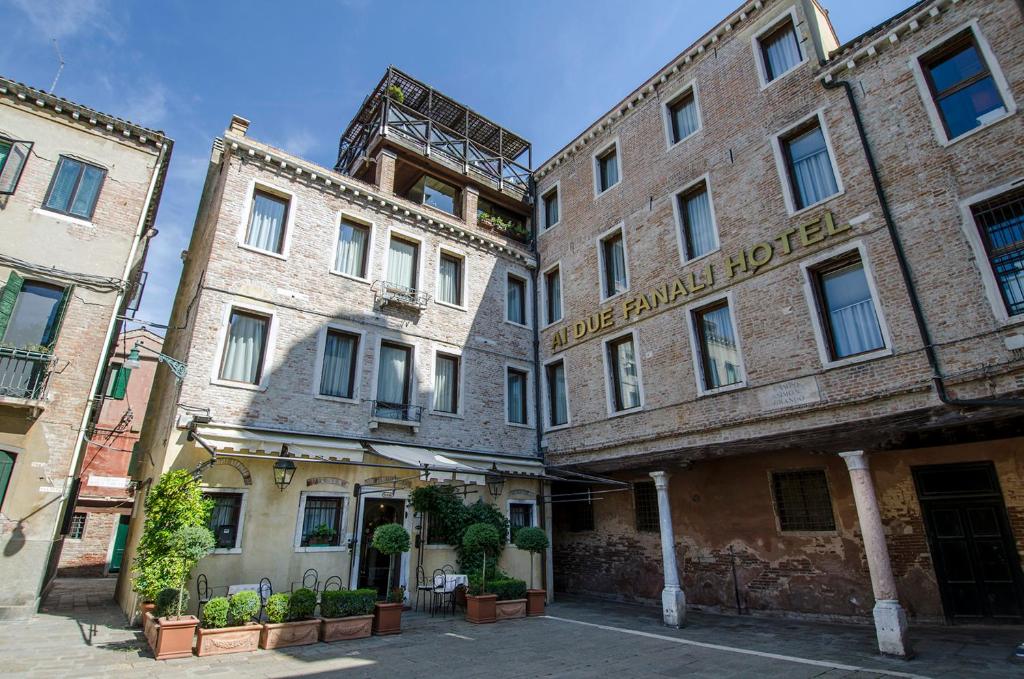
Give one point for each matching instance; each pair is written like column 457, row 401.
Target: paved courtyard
column 81, row 633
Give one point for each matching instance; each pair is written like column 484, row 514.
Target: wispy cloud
column 146, row 106
column 298, row 142
column 62, row 19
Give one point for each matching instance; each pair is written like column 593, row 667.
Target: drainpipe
column 904, row 267
column 535, row 275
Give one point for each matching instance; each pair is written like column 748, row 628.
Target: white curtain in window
column 722, row 362
column 615, row 265
column 684, row 118
column 559, row 409
column 266, row 223
column 450, row 285
column 516, row 397
column 855, row 328
column 402, row 264
column 244, row 349
column 339, row 357
column 782, row 52
column 445, row 380
column 554, row 296
column 351, row 253
column 516, row 301
column 391, row 374
column 626, row 377
column 812, row 168
column 700, row 228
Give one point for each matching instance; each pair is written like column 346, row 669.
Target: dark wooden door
column 374, row 566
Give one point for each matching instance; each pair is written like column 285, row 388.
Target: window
column 625, row 377
column 338, row 374
column 553, row 295
column 13, row 155
column 435, row 193
column 520, row 515
column 74, row 188
column 812, row 178
column 6, row 468
column 846, row 307
column 436, row 535
column 117, row 381
column 321, row 521
column 613, row 264
column 606, row 166
column 645, row 507
column 77, row 529
column 515, row 308
column 352, row 253
column 962, row 86
column 446, row 384
column 267, row 217
column 394, row 380
column 802, row 500
column 550, row 204
column 403, row 263
column 515, row 396
column 683, row 119
column 558, row 404
column 225, row 519
column 697, row 222
column 244, row 347
column 499, row 218
column 717, row 347
column 31, row 313
column 449, row 283
column 780, row 50
column 1000, row 222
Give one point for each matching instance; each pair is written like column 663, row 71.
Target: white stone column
column 673, row 600
column 890, row 618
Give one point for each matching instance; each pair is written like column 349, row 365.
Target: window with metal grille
column 224, row 518
column 645, row 504
column 436, row 535
column 802, row 500
column 1000, row 221
column 77, row 526
column 321, row 522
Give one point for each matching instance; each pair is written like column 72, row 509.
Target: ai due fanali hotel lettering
column 746, row 262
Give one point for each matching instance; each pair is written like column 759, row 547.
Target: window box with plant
column 390, row 540
column 322, row 535
column 290, row 620
column 510, row 596
column 347, row 614
column 509, row 227
column 534, row 541
column 216, row 637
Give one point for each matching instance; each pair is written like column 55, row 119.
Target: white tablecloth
column 451, row 581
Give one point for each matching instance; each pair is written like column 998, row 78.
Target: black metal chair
column 423, row 586
column 310, row 580
column 441, row 598
column 203, row 593
column 334, row 582
column 266, row 590
column 448, row 569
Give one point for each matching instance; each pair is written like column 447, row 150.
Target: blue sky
column 298, row 70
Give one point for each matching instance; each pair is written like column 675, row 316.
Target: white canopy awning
column 466, row 467
column 228, row 438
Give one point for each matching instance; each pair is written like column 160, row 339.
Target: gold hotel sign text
column 747, row 261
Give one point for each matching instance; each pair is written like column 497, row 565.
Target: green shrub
column 243, row 607
column 277, row 607
column 396, row 595
column 167, row 602
column 534, row 541
column 391, row 539
column 343, row 603
column 215, row 613
column 507, row 589
column 479, row 512
column 301, row 604
column 396, row 93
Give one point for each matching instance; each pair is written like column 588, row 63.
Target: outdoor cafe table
column 451, row 581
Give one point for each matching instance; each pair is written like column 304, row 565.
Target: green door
column 119, row 541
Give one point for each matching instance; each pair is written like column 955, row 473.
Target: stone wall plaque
column 799, row 392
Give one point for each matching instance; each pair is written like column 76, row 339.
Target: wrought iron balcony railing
column 390, row 293
column 23, row 373
column 402, row 412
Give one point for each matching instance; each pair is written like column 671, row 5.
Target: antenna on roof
column 60, row 68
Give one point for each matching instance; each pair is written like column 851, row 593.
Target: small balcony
column 24, row 376
column 390, row 293
column 395, row 413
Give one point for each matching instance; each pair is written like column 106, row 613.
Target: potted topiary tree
column 534, row 541
column 175, row 632
column 390, row 540
column 484, row 539
column 216, row 637
column 346, row 614
column 290, row 620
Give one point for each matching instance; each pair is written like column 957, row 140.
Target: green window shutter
column 6, row 467
column 119, row 382
column 8, row 298
column 54, row 330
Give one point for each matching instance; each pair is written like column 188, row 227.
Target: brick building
column 809, row 339
column 94, row 544
column 79, row 191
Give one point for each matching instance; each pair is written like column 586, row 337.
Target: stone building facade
column 79, row 194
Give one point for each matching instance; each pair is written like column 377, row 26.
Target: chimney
column 238, row 125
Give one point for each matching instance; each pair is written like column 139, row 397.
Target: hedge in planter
column 216, row 637
column 346, row 614
column 290, row 620
column 511, row 598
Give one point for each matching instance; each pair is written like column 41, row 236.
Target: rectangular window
column 6, row 469
column 403, row 263
column 624, row 374
column 117, row 381
column 645, row 506
column 77, row 529
column 812, row 178
column 550, row 202
column 446, row 384
column 394, row 380
column 338, row 376
column 699, row 234
column 1000, row 222
column 352, row 253
column 267, row 217
column 613, row 264
column 516, row 396
column 780, row 50
column 802, row 500
column 435, row 193
column 321, row 522
column 718, row 347
column 13, row 155
column 450, row 279
column 962, row 86
column 558, row 404
column 515, row 308
column 520, row 515
column 682, row 116
column 74, row 188
column 553, row 295
column 607, row 169
column 435, row 533
column 225, row 518
column 244, row 347
column 846, row 307
column 31, row 313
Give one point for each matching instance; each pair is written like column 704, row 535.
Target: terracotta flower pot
column 229, row 639
column 149, row 627
column 283, row 634
column 481, row 609
column 535, row 599
column 174, row 637
column 510, row 609
column 387, row 619
column 351, row 627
